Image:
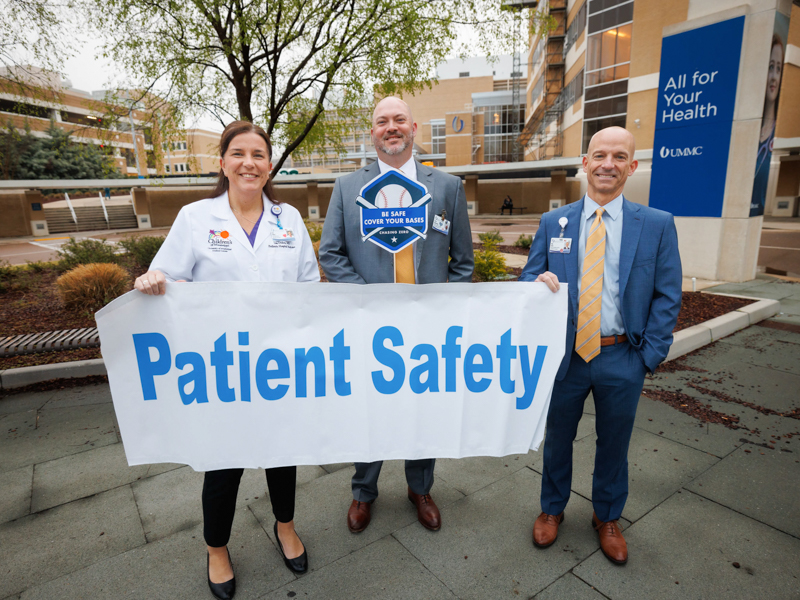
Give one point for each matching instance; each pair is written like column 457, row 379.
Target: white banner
column 221, row 375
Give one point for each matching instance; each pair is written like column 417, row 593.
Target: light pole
column 133, row 138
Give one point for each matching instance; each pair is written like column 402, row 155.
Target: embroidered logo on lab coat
column 219, row 241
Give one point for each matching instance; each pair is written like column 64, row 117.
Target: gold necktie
column 404, row 262
column 587, row 340
column 404, row 265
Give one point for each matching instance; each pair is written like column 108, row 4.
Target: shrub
column 92, row 286
column 39, row 266
column 14, row 278
column 314, row 230
column 83, row 252
column 491, row 236
column 142, row 249
column 490, row 265
column 524, row 241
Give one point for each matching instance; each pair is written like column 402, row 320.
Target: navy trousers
column 615, row 379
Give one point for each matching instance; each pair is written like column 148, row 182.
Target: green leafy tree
column 33, row 32
column 56, row 156
column 303, row 69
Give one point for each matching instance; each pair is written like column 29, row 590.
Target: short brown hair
column 231, row 131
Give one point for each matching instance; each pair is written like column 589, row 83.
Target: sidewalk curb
column 22, row 376
column 690, row 339
column 685, row 341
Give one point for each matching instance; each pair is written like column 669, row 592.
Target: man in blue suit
column 623, row 269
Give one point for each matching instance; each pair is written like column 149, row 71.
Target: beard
column 380, row 146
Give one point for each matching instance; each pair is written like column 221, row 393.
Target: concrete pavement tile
column 175, row 567
column 779, row 355
column 468, row 475
column 686, row 548
column 775, row 290
column 763, row 386
column 381, row 571
column 492, row 529
column 55, row 542
column 79, row 475
column 657, row 417
column 756, row 337
column 321, row 512
column 24, row 402
column 653, row 473
column 790, row 318
column 60, row 432
column 790, row 306
column 762, row 484
column 570, row 587
column 15, row 493
column 735, row 288
column 332, row 468
column 171, row 502
column 80, row 396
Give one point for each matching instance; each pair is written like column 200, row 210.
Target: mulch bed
column 36, row 307
column 505, row 249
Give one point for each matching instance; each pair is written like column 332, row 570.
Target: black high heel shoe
column 296, row 565
column 224, row 590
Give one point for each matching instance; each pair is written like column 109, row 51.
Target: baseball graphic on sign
column 393, row 196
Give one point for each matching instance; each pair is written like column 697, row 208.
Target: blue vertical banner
column 694, row 115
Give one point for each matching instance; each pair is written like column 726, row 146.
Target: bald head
column 393, row 131
column 608, row 163
column 393, row 104
column 613, row 135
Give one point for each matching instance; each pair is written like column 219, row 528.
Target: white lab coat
column 207, row 243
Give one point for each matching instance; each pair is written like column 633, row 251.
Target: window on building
column 575, row 28
column 499, row 141
column 130, row 158
column 21, row 108
column 464, row 74
column 538, row 87
column 604, row 14
column 571, row 92
column 438, row 137
column 609, row 55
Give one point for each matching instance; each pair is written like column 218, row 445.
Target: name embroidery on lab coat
column 219, row 241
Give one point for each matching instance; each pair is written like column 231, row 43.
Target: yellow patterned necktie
column 404, row 263
column 587, row 340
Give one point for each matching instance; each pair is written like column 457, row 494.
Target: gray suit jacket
column 346, row 259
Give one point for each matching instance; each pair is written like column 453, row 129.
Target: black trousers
column 220, row 489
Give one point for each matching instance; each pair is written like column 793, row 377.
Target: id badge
column 441, row 225
column 282, row 235
column 560, row 245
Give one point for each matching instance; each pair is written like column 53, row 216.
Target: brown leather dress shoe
column 611, row 541
column 427, row 512
column 358, row 516
column 545, row 529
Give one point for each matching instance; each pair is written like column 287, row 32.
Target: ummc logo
column 676, row 152
column 458, row 124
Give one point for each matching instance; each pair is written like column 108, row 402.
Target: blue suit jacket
column 649, row 275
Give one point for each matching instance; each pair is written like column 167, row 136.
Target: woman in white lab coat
column 241, row 233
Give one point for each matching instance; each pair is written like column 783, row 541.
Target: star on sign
column 394, row 240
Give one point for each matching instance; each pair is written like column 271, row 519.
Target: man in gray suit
column 345, row 258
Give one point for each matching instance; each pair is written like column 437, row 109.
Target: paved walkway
column 713, row 510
